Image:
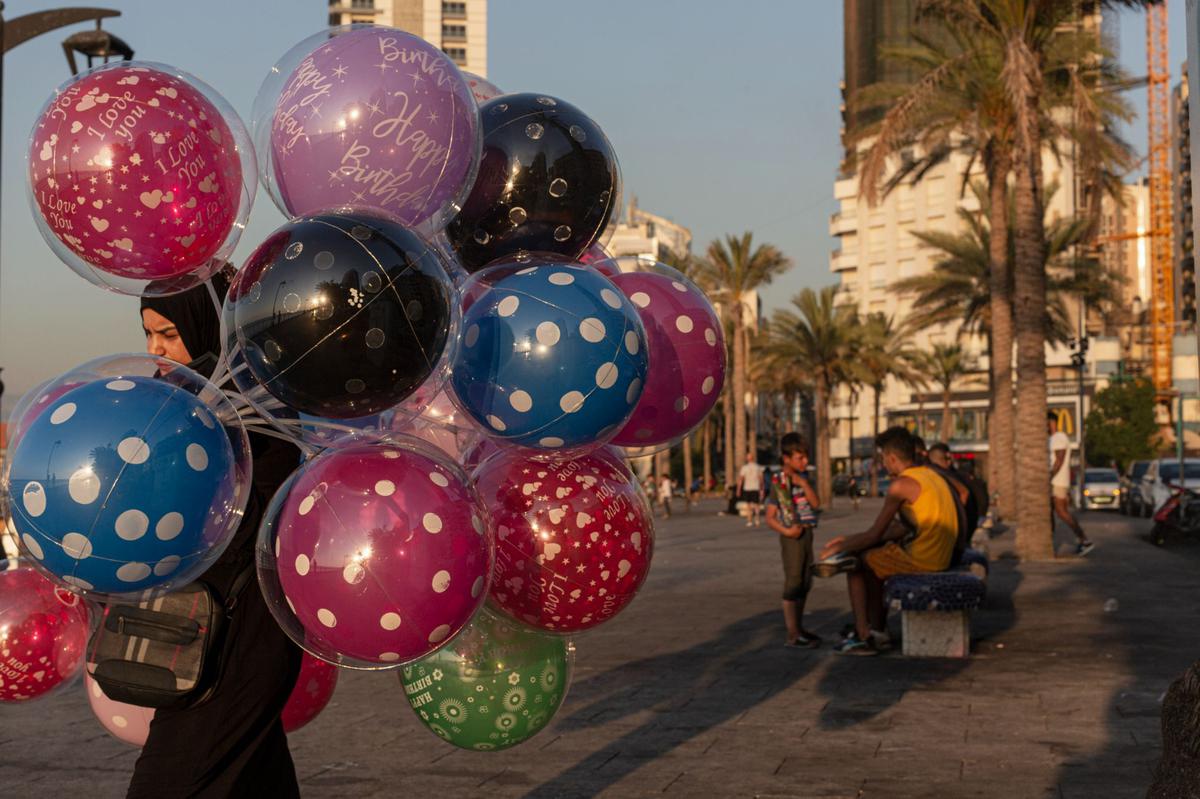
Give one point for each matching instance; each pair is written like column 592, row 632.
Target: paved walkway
column 690, row 693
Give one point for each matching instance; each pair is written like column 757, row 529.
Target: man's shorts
column 797, row 555
column 1060, row 492
column 753, row 497
column 892, row 559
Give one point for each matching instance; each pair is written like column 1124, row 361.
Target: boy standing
column 791, row 511
column 922, row 498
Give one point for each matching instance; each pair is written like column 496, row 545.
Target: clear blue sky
column 725, row 119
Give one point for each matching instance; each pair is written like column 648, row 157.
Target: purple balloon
column 374, row 118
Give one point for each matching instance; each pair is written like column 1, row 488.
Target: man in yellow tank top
column 924, row 542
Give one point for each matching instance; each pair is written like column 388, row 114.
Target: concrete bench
column 935, row 608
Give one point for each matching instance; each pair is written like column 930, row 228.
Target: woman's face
column 162, row 339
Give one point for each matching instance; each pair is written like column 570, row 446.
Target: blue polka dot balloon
column 124, row 484
column 552, row 355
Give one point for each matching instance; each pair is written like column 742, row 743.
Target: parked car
column 1101, row 489
column 1130, row 498
column 1156, row 484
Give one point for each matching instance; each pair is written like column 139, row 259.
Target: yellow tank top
column 935, row 517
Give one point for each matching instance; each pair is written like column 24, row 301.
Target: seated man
column 923, row 501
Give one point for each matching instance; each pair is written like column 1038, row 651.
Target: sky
column 724, row 120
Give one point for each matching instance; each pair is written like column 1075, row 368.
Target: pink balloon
column 481, row 88
column 135, row 172
column 43, row 633
column 312, row 692
column 573, row 538
column 687, row 356
column 382, row 553
column 128, row 723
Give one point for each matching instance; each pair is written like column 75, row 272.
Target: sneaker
column 853, row 645
column 810, row 639
column 835, row 565
column 881, row 640
column 1084, row 548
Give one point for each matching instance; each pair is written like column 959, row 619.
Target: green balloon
column 494, row 686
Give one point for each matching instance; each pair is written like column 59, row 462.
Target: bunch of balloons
column 439, row 329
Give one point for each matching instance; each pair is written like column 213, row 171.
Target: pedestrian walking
column 750, row 488
column 665, row 488
column 1060, row 485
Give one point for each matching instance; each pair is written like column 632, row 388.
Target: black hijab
column 196, row 319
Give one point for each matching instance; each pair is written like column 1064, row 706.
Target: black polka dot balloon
column 341, row 315
column 548, row 182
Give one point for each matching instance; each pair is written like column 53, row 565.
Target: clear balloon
column 43, row 632
column 494, row 686
column 133, row 479
column 552, row 355
column 341, row 315
column 367, row 117
column 373, row 555
column 140, row 172
column 574, row 538
column 686, row 344
column 598, row 258
column 127, row 723
column 312, row 692
column 549, row 181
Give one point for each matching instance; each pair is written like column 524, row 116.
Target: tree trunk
column 707, row 441
column 874, row 467
column 1034, row 534
column 824, row 470
column 947, row 426
column 730, row 460
column 687, row 471
column 1001, row 467
column 739, row 384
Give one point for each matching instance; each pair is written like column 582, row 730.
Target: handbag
column 164, row 652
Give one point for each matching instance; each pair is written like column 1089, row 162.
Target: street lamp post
column 1079, row 361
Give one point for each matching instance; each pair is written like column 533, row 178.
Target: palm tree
column 734, row 269
column 958, row 287
column 885, row 352
column 959, row 103
column 947, row 364
column 995, row 81
column 817, row 338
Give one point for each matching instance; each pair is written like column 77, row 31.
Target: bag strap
column 239, row 585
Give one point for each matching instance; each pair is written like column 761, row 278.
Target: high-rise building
column 1183, row 230
column 459, row 28
column 876, row 246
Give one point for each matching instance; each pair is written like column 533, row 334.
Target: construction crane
column 1162, row 270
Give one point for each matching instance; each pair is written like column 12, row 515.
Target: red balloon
column 313, row 690
column 43, row 633
column 573, row 538
column 135, row 172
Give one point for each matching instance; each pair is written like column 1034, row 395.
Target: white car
column 1158, row 482
column 1101, row 489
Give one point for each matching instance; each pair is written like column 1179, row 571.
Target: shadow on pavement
column 1149, row 616
column 708, row 684
column 861, row 688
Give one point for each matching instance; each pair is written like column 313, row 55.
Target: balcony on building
column 840, row 260
column 841, row 224
column 354, row 7
column 454, row 10
column 454, row 34
column 457, row 54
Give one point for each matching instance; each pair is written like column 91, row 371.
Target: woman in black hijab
column 233, row 744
